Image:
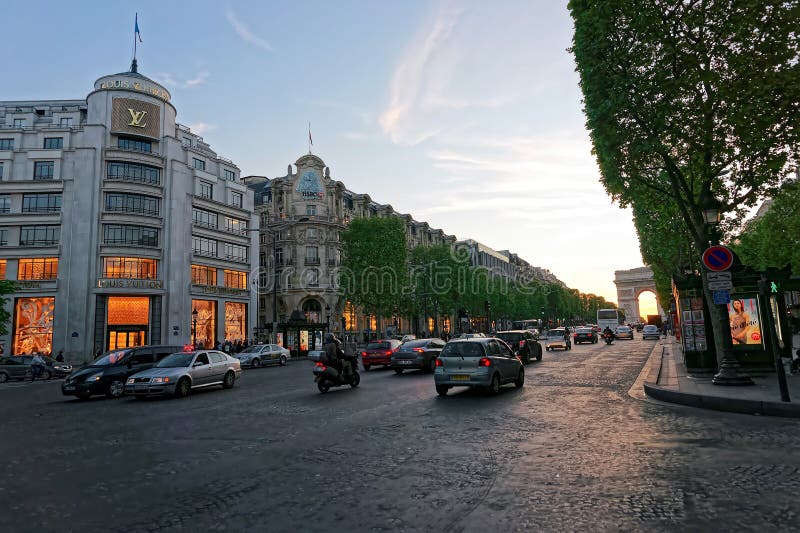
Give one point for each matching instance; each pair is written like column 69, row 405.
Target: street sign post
column 721, row 297
column 720, row 285
column 718, row 258
column 719, row 276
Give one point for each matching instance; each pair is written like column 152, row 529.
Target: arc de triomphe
column 630, row 285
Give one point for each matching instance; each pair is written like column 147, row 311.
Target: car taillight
column 418, row 350
column 363, row 353
column 485, row 361
column 321, row 365
column 521, row 344
column 388, row 352
column 438, row 362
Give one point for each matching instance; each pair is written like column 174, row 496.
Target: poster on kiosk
column 745, row 322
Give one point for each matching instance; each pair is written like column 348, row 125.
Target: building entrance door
column 126, row 336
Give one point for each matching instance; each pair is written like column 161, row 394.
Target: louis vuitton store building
column 116, row 223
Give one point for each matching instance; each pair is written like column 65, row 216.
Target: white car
column 651, row 331
column 263, row 354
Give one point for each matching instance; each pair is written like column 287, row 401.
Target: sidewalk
column 665, row 378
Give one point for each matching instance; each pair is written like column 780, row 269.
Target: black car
column 523, row 343
column 420, row 353
column 108, row 373
column 582, row 335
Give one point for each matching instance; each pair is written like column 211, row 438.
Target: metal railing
column 312, row 261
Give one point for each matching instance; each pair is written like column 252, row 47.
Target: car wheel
column 494, row 386
column 323, row 386
column 115, row 389
column 520, row 381
column 182, row 388
column 3, row 377
column 47, row 375
column 256, row 363
column 229, row 381
column 441, row 390
column 398, row 371
column 539, row 354
column 432, row 365
column 283, row 360
column 366, row 368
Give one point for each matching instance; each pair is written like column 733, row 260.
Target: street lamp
column 328, row 316
column 194, row 328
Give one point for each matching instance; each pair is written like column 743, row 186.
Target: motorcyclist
column 608, row 333
column 331, row 349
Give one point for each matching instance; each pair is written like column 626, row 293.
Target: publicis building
column 119, row 226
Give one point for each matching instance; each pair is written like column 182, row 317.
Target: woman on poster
column 740, row 321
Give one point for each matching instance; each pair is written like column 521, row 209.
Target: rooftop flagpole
column 310, row 140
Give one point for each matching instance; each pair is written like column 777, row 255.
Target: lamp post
column 328, row 316
column 194, row 327
column 728, row 366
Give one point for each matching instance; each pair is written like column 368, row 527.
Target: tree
column 6, row 288
column 690, row 99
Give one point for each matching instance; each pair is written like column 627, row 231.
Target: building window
column 130, row 267
column 3, row 241
column 19, row 122
column 39, row 235
column 53, row 143
column 43, row 202
column 134, row 145
column 129, row 235
column 199, row 164
column 205, row 326
column 2, row 269
column 205, row 189
column 5, row 203
column 235, row 225
column 311, row 277
column 311, row 233
column 65, row 122
column 235, row 252
column 203, row 246
column 278, row 256
column 43, row 170
column 312, row 255
column 6, row 144
column 311, row 210
column 132, row 203
column 38, row 268
column 33, row 325
column 236, row 199
column 134, row 172
column 235, row 279
column 204, row 275
column 187, row 142
column 204, row 218
column 235, row 321
column 229, row 175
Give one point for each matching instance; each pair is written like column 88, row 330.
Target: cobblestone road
column 571, row 451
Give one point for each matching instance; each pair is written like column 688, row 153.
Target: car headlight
column 94, row 377
column 130, row 381
column 160, row 379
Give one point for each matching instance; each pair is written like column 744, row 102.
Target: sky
column 464, row 114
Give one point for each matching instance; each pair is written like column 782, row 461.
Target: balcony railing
column 38, row 242
column 331, row 262
column 312, row 261
column 133, row 211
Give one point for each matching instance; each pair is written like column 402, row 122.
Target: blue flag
column 136, row 28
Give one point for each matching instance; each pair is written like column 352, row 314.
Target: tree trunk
column 718, row 321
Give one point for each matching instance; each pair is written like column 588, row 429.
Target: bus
column 526, row 324
column 610, row 317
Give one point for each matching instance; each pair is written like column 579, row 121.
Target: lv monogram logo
column 136, row 118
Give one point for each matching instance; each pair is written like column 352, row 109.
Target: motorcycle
column 327, row 376
column 608, row 337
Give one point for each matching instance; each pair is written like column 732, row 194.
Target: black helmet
column 329, row 337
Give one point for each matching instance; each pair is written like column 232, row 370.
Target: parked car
column 624, row 332
column 558, row 338
column 379, row 353
column 52, row 368
column 108, row 373
column 420, row 353
column 181, row 372
column 408, row 337
column 586, row 334
column 315, row 355
column 13, row 368
column 478, row 362
column 523, row 343
column 263, row 354
column 651, row 331
column 471, row 336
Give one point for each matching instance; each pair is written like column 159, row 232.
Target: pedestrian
column 37, row 366
column 60, row 356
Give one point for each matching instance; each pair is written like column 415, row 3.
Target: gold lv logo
column 136, row 118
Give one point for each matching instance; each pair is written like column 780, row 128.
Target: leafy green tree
column 6, row 288
column 685, row 100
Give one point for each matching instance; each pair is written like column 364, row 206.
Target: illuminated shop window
column 235, row 279
column 235, row 321
column 129, row 267
column 204, row 275
column 33, row 325
column 128, row 311
column 349, row 316
column 38, row 268
column 206, row 332
column 2, row 269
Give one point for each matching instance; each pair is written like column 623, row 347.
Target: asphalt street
column 571, row 451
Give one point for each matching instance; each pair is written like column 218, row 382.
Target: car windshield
column 651, row 328
column 111, row 358
column 176, row 360
column 414, row 344
column 251, row 349
column 555, row 334
column 378, row 346
column 623, row 328
column 583, row 330
column 510, row 337
column 463, row 349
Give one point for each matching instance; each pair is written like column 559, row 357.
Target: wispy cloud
column 199, row 79
column 201, row 127
column 169, row 79
column 244, row 32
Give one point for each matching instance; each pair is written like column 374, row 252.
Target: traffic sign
column 721, row 297
column 718, row 258
column 720, row 285
column 719, row 276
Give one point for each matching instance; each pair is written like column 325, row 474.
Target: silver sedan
column 263, row 354
column 179, row 373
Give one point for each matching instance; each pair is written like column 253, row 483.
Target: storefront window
column 38, row 268
column 235, row 321
column 235, row 279
column 312, row 310
column 446, row 324
column 129, row 267
column 206, row 332
column 349, row 316
column 2, row 269
column 33, row 325
column 128, row 321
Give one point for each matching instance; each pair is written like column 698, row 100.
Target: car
column 263, row 354
column 379, row 353
column 595, row 328
column 418, row 353
column 482, row 362
column 651, row 331
column 108, row 373
column 315, row 355
column 584, row 334
column 52, row 368
column 523, row 343
column 535, row 333
column 640, row 327
column 406, row 338
column 182, row 372
column 623, row 332
column 558, row 338
column 12, row 367
column 471, row 336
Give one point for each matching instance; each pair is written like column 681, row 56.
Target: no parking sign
column 718, row 258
